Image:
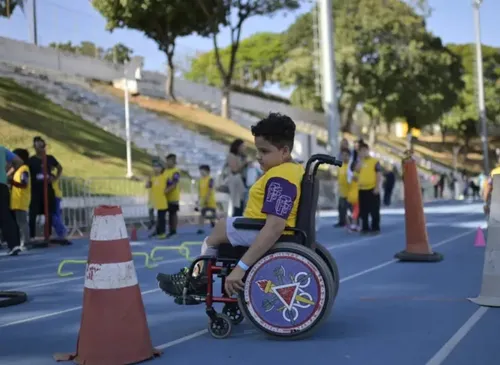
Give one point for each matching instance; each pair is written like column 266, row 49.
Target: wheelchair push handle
column 323, row 158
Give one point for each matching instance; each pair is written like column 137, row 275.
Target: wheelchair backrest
column 306, row 212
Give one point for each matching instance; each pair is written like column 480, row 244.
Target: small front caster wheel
column 234, row 313
column 220, row 327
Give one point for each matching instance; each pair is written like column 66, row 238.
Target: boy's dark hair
column 277, row 128
column 23, row 154
column 172, row 156
column 205, row 168
column 235, row 145
column 363, row 145
column 38, row 139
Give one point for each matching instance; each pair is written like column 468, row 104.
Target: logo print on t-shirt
column 283, row 203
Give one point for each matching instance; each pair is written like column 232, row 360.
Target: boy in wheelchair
column 274, row 197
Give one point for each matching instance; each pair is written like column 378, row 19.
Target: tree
column 258, row 56
column 119, row 53
column 223, row 12
column 7, row 7
column 85, row 48
column 163, row 21
column 463, row 118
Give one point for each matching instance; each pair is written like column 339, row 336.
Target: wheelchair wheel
column 288, row 293
column 234, row 313
column 332, row 265
column 221, row 327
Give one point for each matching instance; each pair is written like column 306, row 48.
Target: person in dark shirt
column 35, row 164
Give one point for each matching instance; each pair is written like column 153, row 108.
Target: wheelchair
column 290, row 291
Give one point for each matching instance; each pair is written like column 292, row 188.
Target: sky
column 76, row 21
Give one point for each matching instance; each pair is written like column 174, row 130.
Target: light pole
column 476, row 4
column 132, row 72
column 330, row 104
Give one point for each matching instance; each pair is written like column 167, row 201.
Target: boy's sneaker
column 174, row 284
column 161, row 236
column 171, row 234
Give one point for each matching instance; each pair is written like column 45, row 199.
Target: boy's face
column 203, row 172
column 170, row 162
column 269, row 155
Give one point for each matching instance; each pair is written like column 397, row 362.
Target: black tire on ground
column 329, row 283
column 9, row 298
column 332, row 264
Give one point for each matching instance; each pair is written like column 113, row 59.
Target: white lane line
column 453, row 342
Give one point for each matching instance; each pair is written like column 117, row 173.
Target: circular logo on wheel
column 285, row 292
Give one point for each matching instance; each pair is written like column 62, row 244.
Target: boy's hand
column 234, row 282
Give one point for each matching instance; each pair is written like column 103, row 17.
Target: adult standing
column 8, row 225
column 389, row 183
column 236, row 176
column 35, row 163
column 369, row 180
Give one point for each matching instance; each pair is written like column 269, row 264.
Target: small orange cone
column 113, row 328
column 133, row 234
column 417, row 241
column 479, row 241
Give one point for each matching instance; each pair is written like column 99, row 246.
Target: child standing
column 206, row 198
column 173, row 192
column 20, row 197
column 57, row 218
column 159, row 200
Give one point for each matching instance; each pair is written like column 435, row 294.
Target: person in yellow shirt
column 353, row 203
column 207, row 204
column 274, row 197
column 20, row 196
column 343, row 186
column 173, row 192
column 369, row 182
column 159, row 202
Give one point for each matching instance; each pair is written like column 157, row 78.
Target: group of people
column 360, row 180
column 22, row 196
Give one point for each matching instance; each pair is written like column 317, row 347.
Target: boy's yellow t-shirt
column 207, row 192
column 277, row 192
column 20, row 199
column 57, row 189
column 173, row 177
column 159, row 199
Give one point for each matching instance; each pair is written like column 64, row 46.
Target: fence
column 81, row 196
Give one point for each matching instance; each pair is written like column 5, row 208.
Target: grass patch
column 83, row 149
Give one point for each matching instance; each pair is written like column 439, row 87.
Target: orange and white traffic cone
column 113, row 329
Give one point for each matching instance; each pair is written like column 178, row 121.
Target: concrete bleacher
column 150, row 132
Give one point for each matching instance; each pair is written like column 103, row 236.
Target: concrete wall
column 151, row 84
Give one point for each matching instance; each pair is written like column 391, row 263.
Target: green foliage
column 7, row 7
column 119, row 53
column 463, row 118
column 258, row 56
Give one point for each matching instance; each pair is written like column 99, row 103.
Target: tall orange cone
column 417, row 241
column 113, row 328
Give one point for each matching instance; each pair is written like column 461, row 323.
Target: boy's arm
column 278, row 203
column 378, row 171
column 23, row 184
column 171, row 184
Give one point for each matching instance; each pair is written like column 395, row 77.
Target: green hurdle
column 184, row 251
column 186, row 246
column 64, row 262
column 146, row 259
column 62, row 274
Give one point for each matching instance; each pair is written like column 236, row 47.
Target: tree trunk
column 169, row 87
column 443, row 135
column 372, row 133
column 347, row 117
column 225, row 103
